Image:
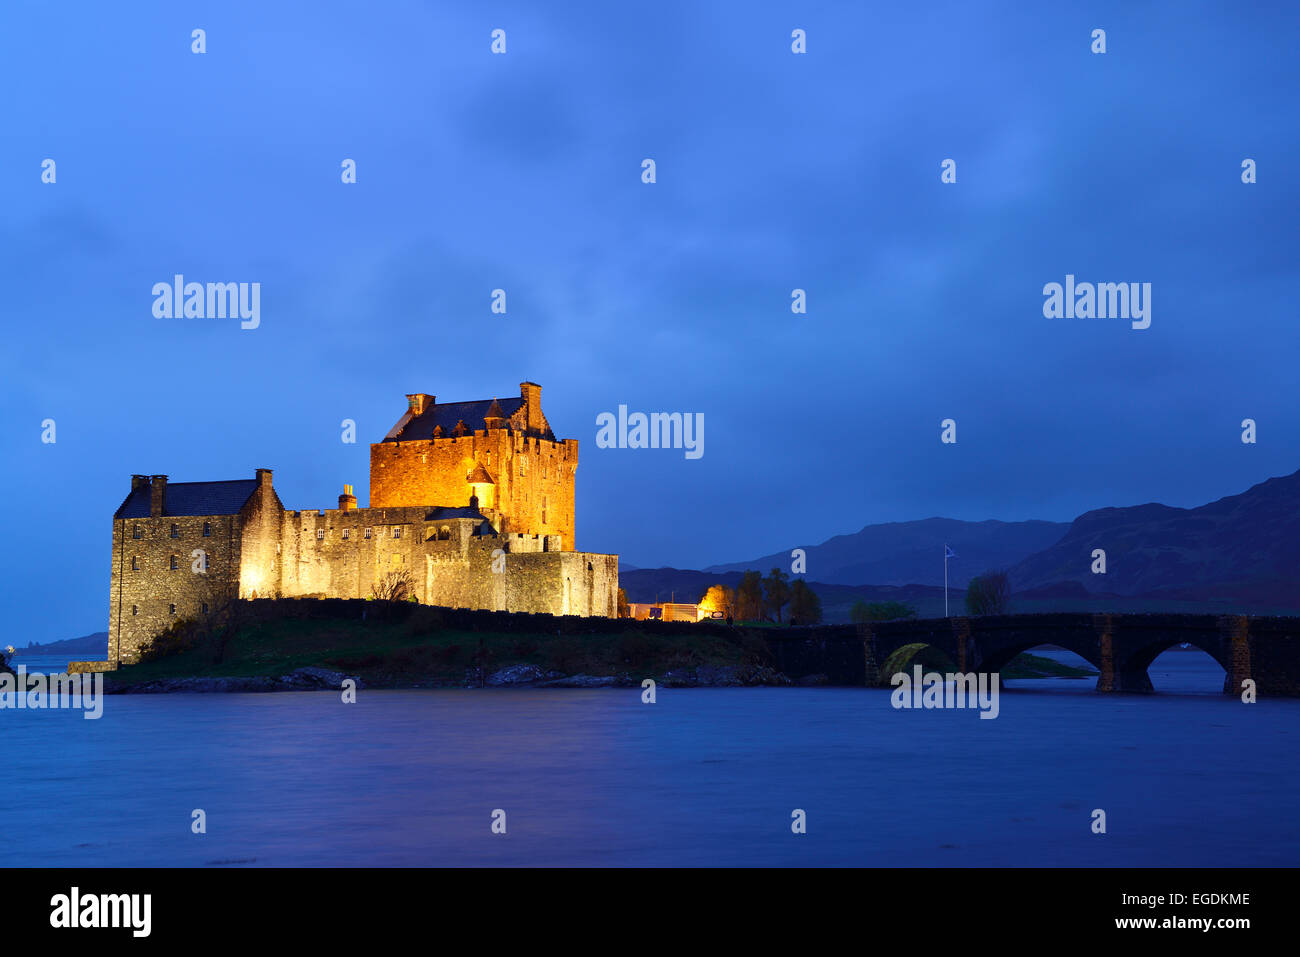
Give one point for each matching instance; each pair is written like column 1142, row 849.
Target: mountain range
column 1243, row 549
column 911, row 553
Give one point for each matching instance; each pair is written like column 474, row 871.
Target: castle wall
column 259, row 541
column 317, row 560
column 146, row 600
column 534, row 478
column 448, row 563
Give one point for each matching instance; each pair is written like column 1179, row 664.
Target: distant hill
column 88, row 647
column 1240, row 554
column 908, row 553
column 1243, row 547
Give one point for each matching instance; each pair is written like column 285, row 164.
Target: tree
column 719, row 598
column 624, row 609
column 805, row 605
column 395, row 586
column 988, row 594
column 864, row 611
column 749, row 597
column 777, row 592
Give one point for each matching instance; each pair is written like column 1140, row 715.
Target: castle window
column 320, row 534
column 135, row 563
column 444, row 533
column 175, row 565
column 397, row 531
column 135, row 609
column 523, row 465
column 176, row 531
column 205, row 608
column 207, row 529
column 171, row 609
column 136, row 533
column 347, row 533
column 367, row 533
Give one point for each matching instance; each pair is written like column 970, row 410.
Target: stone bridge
column 1121, row 647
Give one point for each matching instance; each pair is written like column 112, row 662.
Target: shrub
column 864, row 611
column 988, row 594
column 181, row 635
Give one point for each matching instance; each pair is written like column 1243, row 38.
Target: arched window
column 444, row 533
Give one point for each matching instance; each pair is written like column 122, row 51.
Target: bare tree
column 395, row 586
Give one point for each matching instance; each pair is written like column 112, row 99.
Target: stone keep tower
column 500, row 451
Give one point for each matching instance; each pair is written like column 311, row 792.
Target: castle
column 472, row 500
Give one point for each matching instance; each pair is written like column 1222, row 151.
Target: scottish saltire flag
column 948, row 552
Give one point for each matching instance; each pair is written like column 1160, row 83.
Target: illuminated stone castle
column 472, row 500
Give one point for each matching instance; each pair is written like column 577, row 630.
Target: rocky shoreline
column 515, row 676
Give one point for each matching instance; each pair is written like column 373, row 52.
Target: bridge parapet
column 1120, row 646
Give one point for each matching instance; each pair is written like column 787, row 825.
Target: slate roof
column 191, row 498
column 479, row 476
column 439, row 512
column 447, row 414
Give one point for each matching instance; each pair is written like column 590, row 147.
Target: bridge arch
column 1001, row 653
column 1146, row 655
column 929, row 656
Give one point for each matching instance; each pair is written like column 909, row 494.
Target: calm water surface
column 704, row 777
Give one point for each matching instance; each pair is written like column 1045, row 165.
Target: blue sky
column 522, row 171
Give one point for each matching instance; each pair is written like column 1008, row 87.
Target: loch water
column 1186, row 777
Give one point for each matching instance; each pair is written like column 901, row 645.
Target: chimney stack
column 157, row 495
column 419, row 401
column 531, row 393
column 347, row 501
column 263, row 478
column 138, row 482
